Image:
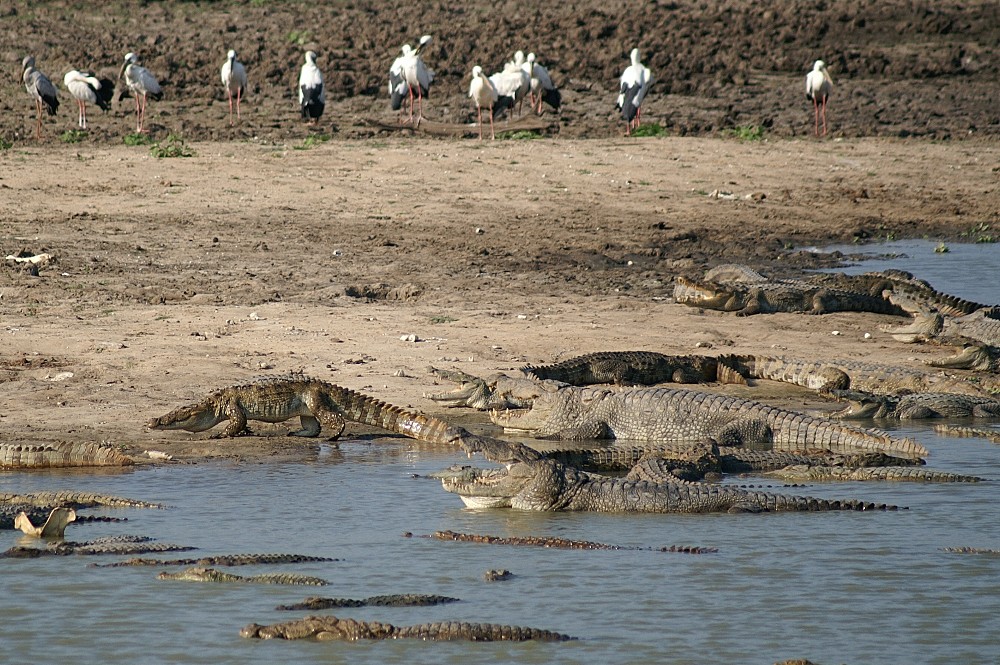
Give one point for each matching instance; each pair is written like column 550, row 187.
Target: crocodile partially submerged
column 73, row 499
column 553, row 542
column 220, row 560
column 545, row 485
column 61, row 454
column 915, row 406
column 203, row 574
column 392, row 600
column 317, row 403
column 664, row 414
column 333, row 628
column 109, row 545
column 917, row 474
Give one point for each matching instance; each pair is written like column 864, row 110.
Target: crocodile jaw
column 480, row 488
column 191, row 417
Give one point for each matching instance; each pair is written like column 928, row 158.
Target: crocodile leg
column 319, row 404
column 237, row 421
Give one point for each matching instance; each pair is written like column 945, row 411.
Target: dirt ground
column 263, row 253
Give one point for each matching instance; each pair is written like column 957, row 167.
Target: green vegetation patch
column 174, row 146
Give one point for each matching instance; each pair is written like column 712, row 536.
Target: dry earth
column 263, row 253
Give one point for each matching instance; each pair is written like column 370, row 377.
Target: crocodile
column 220, row 560
column 109, row 545
column 203, row 574
column 552, row 542
column 665, row 414
column 502, row 391
column 60, row 454
column 545, row 485
column 915, row 406
column 875, row 378
column 880, row 284
column 316, row 403
column 53, row 527
column 627, row 368
column 749, row 298
column 979, row 357
column 962, row 431
column 972, row 550
column 73, row 499
column 333, row 628
column 801, row 473
column 935, row 319
column 393, row 600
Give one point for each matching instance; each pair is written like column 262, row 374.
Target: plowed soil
column 364, row 258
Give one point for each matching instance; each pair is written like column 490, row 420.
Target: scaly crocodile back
column 62, row 454
column 627, row 368
column 332, row 628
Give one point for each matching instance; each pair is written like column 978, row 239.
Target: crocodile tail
column 63, row 454
column 781, row 502
column 362, row 408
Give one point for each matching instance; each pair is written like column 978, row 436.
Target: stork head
column 28, row 62
column 407, row 50
column 819, row 66
column 477, row 71
column 130, row 59
column 531, row 58
column 425, row 40
column 231, row 55
column 311, row 57
column 634, row 55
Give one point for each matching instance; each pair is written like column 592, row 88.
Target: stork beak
column 121, row 72
column 826, row 74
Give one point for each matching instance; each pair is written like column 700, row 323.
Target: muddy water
column 831, row 587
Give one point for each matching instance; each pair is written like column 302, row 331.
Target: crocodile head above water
column 524, row 485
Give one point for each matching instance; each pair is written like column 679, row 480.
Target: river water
column 832, row 587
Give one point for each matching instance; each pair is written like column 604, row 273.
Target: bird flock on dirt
column 410, row 83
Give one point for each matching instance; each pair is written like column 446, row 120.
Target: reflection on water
column 828, row 586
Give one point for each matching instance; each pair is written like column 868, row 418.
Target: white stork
column 142, row 84
column 541, row 88
column 512, row 84
column 635, row 81
column 416, row 76
column 312, row 96
column 88, row 89
column 41, row 89
column 485, row 95
column 234, row 77
column 818, row 88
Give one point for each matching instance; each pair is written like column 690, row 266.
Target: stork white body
column 234, row 77
column 511, row 84
column 142, row 84
column 541, row 89
column 312, row 94
column 481, row 91
column 41, row 90
column 88, row 89
column 819, row 85
column 634, row 84
column 416, row 76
